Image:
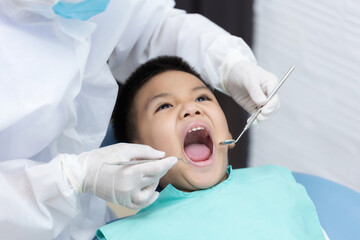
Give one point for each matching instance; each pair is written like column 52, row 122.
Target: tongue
column 197, row 152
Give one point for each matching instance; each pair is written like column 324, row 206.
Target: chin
column 205, row 185
column 208, row 180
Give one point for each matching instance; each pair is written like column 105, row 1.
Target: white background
column 317, row 129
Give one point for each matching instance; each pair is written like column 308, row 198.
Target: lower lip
column 205, row 163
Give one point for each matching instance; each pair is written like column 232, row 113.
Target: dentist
column 58, row 65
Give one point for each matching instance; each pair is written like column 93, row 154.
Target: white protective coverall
column 57, row 92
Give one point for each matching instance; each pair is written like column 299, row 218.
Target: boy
column 166, row 105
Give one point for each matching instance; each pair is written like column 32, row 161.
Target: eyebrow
column 200, row 88
column 163, row 95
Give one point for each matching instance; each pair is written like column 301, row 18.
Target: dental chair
column 338, row 207
column 109, row 137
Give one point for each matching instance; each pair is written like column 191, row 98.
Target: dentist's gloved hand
column 131, row 186
column 249, row 85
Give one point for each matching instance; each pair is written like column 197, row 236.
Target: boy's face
column 178, row 114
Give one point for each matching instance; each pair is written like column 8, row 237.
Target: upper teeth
column 196, row 129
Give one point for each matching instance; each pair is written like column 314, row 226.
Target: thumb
column 157, row 168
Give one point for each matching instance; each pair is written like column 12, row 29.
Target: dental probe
column 253, row 117
column 133, row 162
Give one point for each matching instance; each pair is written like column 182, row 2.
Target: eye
column 202, row 98
column 163, row 106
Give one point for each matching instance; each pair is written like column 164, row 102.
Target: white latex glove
column 131, row 186
column 249, row 85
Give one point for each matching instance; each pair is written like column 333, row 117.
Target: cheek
column 161, row 135
column 219, row 120
column 222, row 120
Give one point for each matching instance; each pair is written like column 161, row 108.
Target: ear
column 231, row 146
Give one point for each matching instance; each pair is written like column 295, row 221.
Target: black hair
column 124, row 115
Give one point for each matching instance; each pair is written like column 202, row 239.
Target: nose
column 190, row 110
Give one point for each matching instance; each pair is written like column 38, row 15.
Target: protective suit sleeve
column 36, row 201
column 169, row 31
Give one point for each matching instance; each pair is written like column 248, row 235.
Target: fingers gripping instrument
column 253, row 117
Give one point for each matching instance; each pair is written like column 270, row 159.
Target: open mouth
column 198, row 145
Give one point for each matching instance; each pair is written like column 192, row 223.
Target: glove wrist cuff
column 231, row 59
column 72, row 170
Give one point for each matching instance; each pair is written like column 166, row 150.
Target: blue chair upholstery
column 338, row 207
column 109, row 137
